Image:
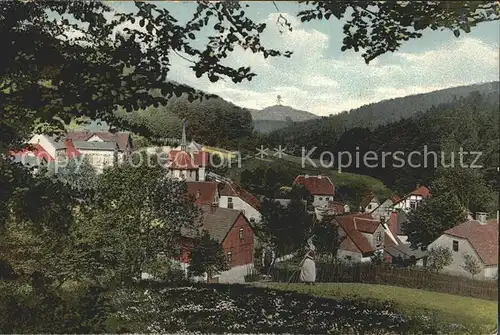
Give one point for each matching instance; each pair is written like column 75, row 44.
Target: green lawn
column 292, row 165
column 447, row 307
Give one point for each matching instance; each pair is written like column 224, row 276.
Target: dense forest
column 471, row 123
column 374, row 114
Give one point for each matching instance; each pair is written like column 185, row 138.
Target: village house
column 233, row 196
column 412, row 199
column 385, row 208
column 102, row 149
column 362, row 237
column 232, row 229
column 369, row 203
column 203, row 192
column 334, row 208
column 320, row 187
column 477, row 238
column 188, row 163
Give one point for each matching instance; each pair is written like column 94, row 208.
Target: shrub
column 24, row 309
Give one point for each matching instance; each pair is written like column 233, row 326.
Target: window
column 413, row 205
column 229, row 257
column 455, row 245
column 241, row 234
column 320, row 198
column 369, row 206
column 229, row 202
column 348, row 258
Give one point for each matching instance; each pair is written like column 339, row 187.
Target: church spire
column 183, row 141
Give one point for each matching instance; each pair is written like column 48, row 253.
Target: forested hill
column 383, row 112
column 471, row 123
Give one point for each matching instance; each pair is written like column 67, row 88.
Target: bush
column 24, row 309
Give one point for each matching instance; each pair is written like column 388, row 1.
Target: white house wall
column 455, row 268
column 405, row 204
column 321, row 200
column 239, row 204
column 99, row 158
column 45, row 143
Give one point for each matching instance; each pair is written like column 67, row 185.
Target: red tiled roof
column 122, row 139
column 392, row 223
column 351, row 224
column 482, row 237
column 366, row 224
column 316, row 185
column 422, row 191
column 207, row 191
column 71, row 151
column 337, row 207
column 232, row 189
column 395, row 198
column 184, row 160
column 36, row 149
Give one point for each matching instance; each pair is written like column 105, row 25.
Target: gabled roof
column 395, row 198
column 422, row 191
column 352, row 225
column 366, row 201
column 403, row 250
column 233, row 189
column 217, row 221
column 36, row 149
column 105, row 146
column 71, row 151
column 482, row 237
column 120, row 138
column 337, row 207
column 204, row 192
column 316, row 185
column 187, row 161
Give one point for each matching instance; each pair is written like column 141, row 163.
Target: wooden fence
column 386, row 275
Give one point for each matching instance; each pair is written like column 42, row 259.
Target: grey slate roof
column 217, row 221
column 84, row 145
column 57, row 142
column 404, row 251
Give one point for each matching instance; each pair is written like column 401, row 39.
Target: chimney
column 418, row 186
column 198, row 194
column 481, row 217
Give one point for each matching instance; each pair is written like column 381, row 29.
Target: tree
column 78, row 174
column 438, row 258
column 206, row 256
column 468, row 185
column 137, row 214
column 432, row 217
column 327, row 238
column 471, row 265
column 285, row 228
column 377, row 27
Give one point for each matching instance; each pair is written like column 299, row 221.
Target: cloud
column 314, row 80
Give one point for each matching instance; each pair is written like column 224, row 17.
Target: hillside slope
column 386, row 111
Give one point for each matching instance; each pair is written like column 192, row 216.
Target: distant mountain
column 282, row 113
column 277, row 117
column 385, row 111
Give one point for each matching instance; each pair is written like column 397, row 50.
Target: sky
column 321, row 79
